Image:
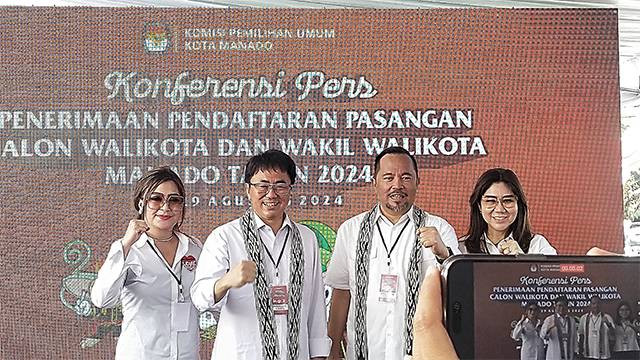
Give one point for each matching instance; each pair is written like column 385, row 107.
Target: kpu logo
column 156, row 37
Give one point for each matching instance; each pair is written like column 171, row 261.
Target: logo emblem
column 156, row 37
column 189, row 262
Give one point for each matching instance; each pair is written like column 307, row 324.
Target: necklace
column 160, row 240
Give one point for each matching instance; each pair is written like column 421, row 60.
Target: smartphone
column 486, row 296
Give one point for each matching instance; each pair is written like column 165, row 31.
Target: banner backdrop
column 92, row 97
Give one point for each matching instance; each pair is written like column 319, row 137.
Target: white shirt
column 538, row 245
column 626, row 339
column 154, row 325
column 595, row 334
column 385, row 321
column 549, row 332
column 238, row 333
column 532, row 345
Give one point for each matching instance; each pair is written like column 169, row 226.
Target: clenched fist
column 510, row 247
column 134, row 230
column 240, row 275
column 429, row 237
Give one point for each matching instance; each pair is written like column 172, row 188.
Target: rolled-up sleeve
column 212, row 265
column 337, row 275
column 449, row 238
column 540, row 245
column 107, row 287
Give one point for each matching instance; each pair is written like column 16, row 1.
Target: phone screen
column 505, row 293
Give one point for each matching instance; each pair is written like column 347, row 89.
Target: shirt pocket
column 373, row 256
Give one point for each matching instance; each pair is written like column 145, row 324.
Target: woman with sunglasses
column 527, row 329
column 150, row 271
column 499, row 218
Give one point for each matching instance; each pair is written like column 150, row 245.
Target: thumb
column 431, row 340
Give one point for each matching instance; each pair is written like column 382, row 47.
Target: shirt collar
column 183, row 241
column 490, row 243
column 260, row 224
column 141, row 241
column 379, row 215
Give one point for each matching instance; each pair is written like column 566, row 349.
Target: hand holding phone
column 485, row 294
column 431, row 340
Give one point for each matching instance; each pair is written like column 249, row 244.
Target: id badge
column 388, row 288
column 181, row 316
column 280, row 299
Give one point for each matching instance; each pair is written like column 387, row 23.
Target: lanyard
column 276, row 263
column 179, row 280
column 394, row 244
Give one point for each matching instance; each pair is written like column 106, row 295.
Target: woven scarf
column 362, row 281
column 564, row 338
column 261, row 290
column 601, row 337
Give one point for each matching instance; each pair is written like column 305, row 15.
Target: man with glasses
column 263, row 273
column 559, row 330
column 379, row 260
column 528, row 330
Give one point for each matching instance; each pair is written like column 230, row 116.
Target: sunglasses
column 156, row 201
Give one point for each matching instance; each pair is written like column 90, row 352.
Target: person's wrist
column 126, row 242
column 223, row 284
column 443, row 252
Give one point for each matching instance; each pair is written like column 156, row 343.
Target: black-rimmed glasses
column 264, row 187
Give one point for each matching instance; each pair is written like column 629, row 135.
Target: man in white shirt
column 263, row 273
column 379, row 261
column 559, row 330
column 594, row 330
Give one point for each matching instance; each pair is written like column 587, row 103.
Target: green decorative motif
column 326, row 237
column 75, row 294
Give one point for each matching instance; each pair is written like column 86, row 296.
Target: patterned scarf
column 362, row 281
column 261, row 290
column 601, row 335
column 564, row 338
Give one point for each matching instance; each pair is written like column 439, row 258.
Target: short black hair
column 561, row 298
column 394, row 150
column 531, row 303
column 270, row 160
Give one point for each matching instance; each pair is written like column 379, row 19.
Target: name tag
column 181, row 316
column 388, row 288
column 280, row 299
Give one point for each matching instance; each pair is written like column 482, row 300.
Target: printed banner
column 93, row 97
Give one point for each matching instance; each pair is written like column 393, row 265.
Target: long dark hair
column 520, row 228
column 628, row 305
column 149, row 182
